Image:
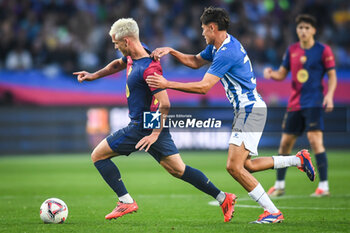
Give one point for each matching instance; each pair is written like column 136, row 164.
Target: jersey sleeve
column 125, row 59
column 286, row 60
column 207, row 54
column 153, row 67
column 221, row 64
column 328, row 58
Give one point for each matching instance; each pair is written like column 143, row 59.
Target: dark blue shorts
column 124, row 140
column 308, row 119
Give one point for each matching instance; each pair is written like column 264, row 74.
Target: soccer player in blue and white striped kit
column 230, row 64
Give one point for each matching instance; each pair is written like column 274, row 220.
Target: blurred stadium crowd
column 73, row 34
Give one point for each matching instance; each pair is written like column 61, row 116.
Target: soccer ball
column 53, row 210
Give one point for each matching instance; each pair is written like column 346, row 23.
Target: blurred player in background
column 157, row 142
column 308, row 61
column 230, row 64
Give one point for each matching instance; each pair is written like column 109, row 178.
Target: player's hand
column 267, row 73
column 160, row 52
column 328, row 103
column 83, row 76
column 147, row 141
column 157, row 81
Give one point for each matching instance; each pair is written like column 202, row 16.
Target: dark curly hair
column 305, row 18
column 216, row 15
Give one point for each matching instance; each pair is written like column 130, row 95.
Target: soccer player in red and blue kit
column 308, row 61
column 157, row 142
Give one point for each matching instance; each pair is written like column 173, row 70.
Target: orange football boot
column 122, row 209
column 228, row 206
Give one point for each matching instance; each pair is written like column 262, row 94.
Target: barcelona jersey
column 139, row 94
column 307, row 67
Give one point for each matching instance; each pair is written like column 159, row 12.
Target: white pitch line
column 175, row 196
column 294, row 197
column 215, row 203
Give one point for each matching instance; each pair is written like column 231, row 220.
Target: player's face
column 305, row 31
column 208, row 33
column 120, row 45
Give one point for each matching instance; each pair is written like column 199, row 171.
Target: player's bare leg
column 102, row 151
column 176, row 167
column 237, row 155
column 301, row 160
column 258, row 164
column 315, row 138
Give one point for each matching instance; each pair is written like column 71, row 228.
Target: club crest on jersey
column 303, row 59
column 302, row 76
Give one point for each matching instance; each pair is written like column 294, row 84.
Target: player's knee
column 317, row 146
column 178, row 173
column 316, row 143
column 313, row 143
column 249, row 167
column 233, row 169
column 96, row 156
column 284, row 147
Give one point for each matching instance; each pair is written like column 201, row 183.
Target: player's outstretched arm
column 201, row 87
column 113, row 67
column 278, row 75
column 164, row 107
column 332, row 85
column 192, row 61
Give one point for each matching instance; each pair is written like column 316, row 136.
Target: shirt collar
column 226, row 41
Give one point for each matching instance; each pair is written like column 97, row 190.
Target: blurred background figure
column 19, row 59
column 97, row 125
column 71, row 33
column 43, row 42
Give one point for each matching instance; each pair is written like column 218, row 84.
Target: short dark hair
column 305, row 18
column 216, row 15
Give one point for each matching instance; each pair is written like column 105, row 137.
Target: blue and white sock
column 281, row 172
column 259, row 195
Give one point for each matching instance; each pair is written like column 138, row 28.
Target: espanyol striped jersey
column 232, row 65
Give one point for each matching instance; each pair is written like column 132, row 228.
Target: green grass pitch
column 166, row 204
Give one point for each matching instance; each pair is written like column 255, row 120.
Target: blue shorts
column 124, row 140
column 308, row 119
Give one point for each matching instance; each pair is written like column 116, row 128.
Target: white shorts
column 248, row 126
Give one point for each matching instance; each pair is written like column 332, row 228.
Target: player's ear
column 212, row 26
column 313, row 30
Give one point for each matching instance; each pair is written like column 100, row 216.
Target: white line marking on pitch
column 239, row 198
column 215, row 203
column 294, row 197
